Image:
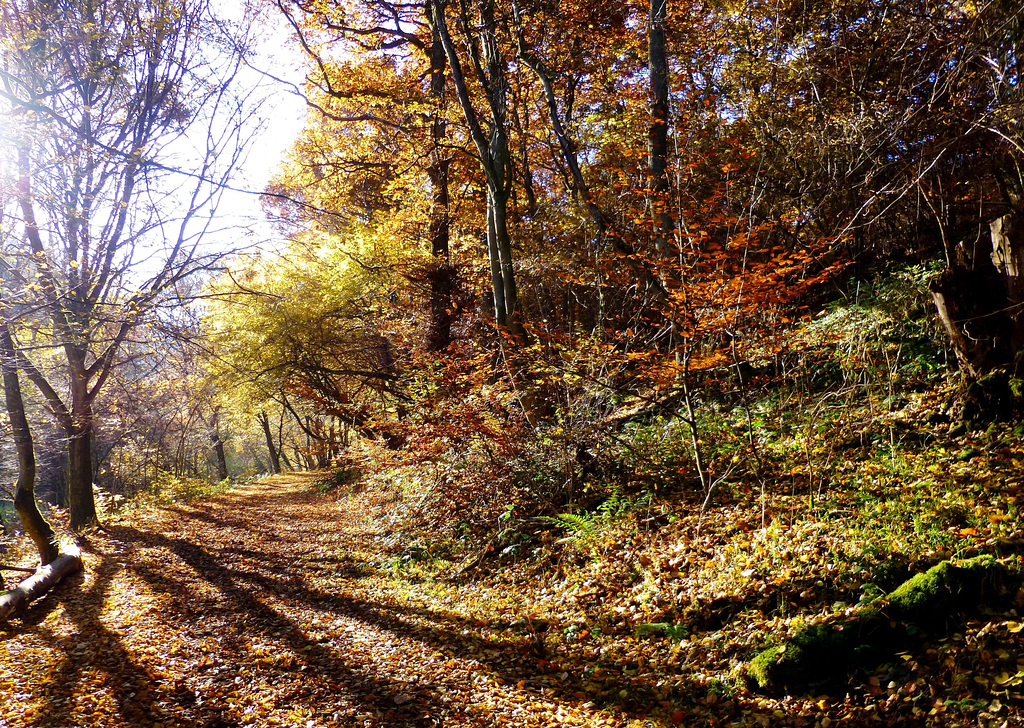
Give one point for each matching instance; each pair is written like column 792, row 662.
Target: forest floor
column 259, row 607
column 275, row 604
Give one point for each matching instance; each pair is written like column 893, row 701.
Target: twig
column 5, row 567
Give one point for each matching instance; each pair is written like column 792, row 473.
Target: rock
column 927, row 602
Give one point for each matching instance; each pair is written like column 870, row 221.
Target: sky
column 276, row 73
column 278, row 70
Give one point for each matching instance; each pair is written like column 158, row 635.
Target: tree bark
column 69, row 561
column 441, row 275
column 220, row 459
column 970, row 305
column 1008, row 257
column 658, row 68
column 280, row 441
column 492, row 148
column 275, row 461
column 982, row 309
column 81, row 502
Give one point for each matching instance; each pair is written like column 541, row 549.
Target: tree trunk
column 441, row 275
column 24, row 495
column 492, row 148
column 220, row 459
column 980, row 308
column 280, row 441
column 982, row 311
column 69, row 561
column 970, row 305
column 1008, row 257
column 301, row 459
column 81, row 503
column 275, row 461
column 499, row 159
column 79, row 429
column 497, row 287
column 658, row 68
column 503, row 248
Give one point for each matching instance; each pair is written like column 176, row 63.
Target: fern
column 583, row 525
column 578, row 524
column 614, row 506
column 617, row 505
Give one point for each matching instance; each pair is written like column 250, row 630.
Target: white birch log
column 45, row 578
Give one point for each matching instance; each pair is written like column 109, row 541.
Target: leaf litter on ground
column 279, row 605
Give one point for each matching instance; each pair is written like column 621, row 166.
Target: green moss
column 818, row 653
column 946, row 589
column 927, row 601
column 761, row 668
column 925, row 591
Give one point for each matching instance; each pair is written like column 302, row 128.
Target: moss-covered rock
column 824, row 652
column 932, row 598
column 821, row 652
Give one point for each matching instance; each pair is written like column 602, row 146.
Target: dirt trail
column 260, row 607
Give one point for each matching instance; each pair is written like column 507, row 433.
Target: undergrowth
column 168, row 488
column 338, row 478
column 837, row 469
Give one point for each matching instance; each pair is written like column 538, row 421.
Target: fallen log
column 45, row 578
column 926, row 603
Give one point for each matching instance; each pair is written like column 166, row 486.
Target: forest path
column 261, row 607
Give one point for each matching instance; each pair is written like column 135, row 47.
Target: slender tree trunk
column 500, row 159
column 32, row 520
column 503, row 244
column 442, row 274
column 497, row 286
column 275, row 461
column 492, row 147
column 220, row 459
column 658, row 69
column 280, row 441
